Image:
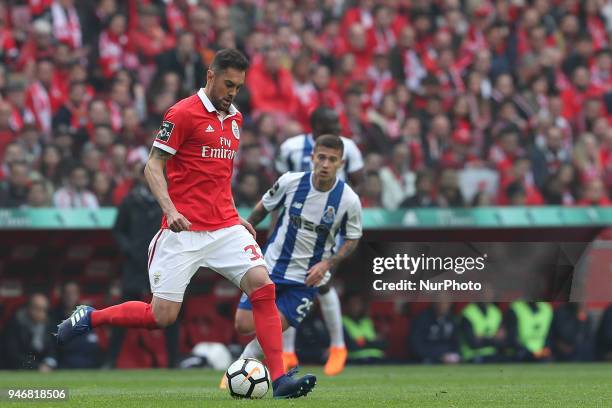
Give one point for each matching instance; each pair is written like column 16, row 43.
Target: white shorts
column 175, row 257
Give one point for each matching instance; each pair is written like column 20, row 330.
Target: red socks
column 268, row 328
column 129, row 314
column 265, row 314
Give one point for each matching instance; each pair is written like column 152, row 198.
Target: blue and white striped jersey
column 295, row 155
column 308, row 223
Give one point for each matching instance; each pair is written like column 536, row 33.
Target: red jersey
column 199, row 175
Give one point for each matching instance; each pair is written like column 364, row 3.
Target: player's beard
column 222, row 104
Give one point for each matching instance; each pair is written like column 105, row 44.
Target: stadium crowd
column 452, row 103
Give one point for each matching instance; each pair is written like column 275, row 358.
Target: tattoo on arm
column 258, row 214
column 158, row 153
column 154, row 174
column 345, row 250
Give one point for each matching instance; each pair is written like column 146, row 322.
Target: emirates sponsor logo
column 224, row 151
column 218, row 153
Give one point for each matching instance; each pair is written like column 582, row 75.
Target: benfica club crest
column 235, row 129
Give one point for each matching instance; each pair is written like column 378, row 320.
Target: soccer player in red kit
column 196, row 145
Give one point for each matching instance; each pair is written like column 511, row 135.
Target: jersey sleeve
column 275, row 195
column 354, row 159
column 351, row 227
column 173, row 131
column 281, row 164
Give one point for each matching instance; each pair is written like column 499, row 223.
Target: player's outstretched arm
column 154, row 174
column 258, row 214
column 317, row 272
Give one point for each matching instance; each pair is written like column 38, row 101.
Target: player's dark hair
column 331, row 142
column 321, row 117
column 229, row 58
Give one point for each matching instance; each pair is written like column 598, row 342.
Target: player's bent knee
column 165, row 311
column 242, row 328
column 255, row 278
column 165, row 320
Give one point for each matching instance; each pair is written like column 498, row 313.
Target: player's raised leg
column 171, row 267
column 157, row 314
column 332, row 315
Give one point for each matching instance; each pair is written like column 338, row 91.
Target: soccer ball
column 247, row 378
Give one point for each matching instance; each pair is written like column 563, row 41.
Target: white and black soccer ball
column 247, row 378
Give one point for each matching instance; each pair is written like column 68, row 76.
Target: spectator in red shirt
column 594, row 193
column 345, row 76
column 460, row 151
column 44, row 96
column 388, row 117
column 16, row 96
column 66, row 23
column 38, row 7
column 7, row 133
column 73, row 113
column 519, row 179
column 149, row 39
column 115, row 48
column 39, row 45
column 8, row 48
column 120, row 98
column 357, row 44
column 506, row 149
column 382, row 34
column 271, row 85
column 360, row 14
column 316, row 93
column 380, row 79
column 329, row 42
column 575, row 96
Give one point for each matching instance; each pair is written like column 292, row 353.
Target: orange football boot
column 290, row 360
column 336, row 361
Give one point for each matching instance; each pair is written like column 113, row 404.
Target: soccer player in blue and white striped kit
column 295, row 154
column 315, row 207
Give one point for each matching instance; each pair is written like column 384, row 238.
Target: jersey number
column 254, row 251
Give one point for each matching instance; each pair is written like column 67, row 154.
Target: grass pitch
column 544, row 385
